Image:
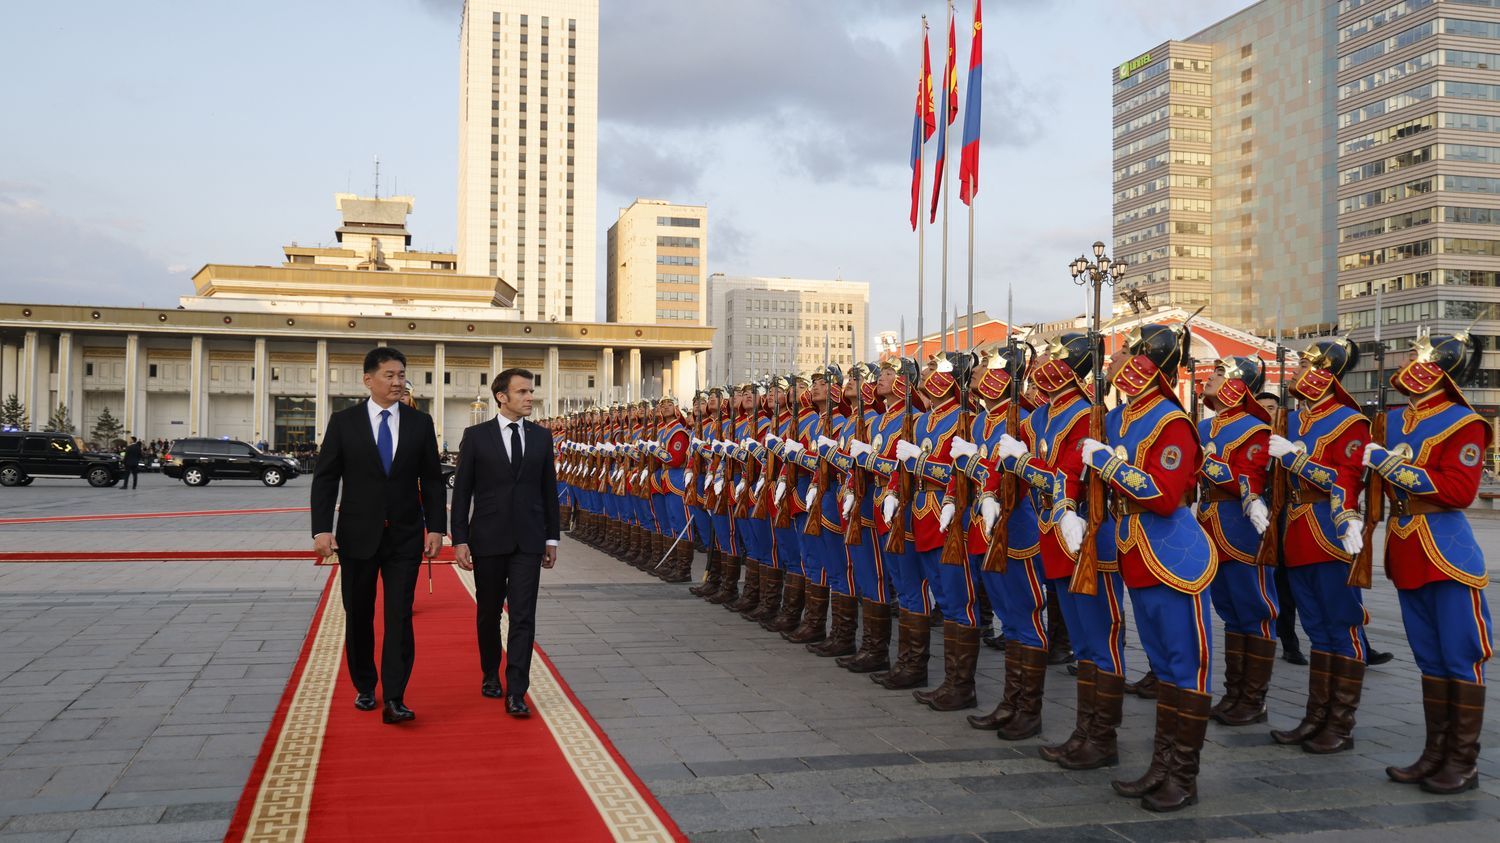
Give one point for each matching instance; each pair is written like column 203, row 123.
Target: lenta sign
column 1134, row 64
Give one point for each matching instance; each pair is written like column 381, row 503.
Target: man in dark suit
column 506, row 473
column 384, row 455
column 132, row 465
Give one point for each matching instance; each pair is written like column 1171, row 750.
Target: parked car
column 25, row 455
column 197, row 461
column 449, row 472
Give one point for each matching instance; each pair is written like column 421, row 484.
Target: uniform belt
column 1123, row 506
column 1308, row 494
column 1214, row 494
column 1415, row 506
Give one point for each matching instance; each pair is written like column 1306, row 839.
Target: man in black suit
column 384, row 454
column 132, row 465
column 506, row 472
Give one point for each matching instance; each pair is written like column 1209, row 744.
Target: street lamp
column 479, row 410
column 1095, row 275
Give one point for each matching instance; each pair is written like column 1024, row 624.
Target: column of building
column 130, row 414
column 439, row 388
column 322, row 411
column 197, row 389
column 260, row 405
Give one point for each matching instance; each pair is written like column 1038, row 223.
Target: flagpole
column 921, row 192
column 949, row 68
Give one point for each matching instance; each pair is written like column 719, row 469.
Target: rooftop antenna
column 377, row 176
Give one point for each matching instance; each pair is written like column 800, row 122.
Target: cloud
column 58, row 259
column 634, row 162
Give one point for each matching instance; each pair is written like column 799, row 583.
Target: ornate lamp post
column 479, row 410
column 1095, row 275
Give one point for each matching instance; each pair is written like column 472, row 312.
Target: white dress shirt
column 520, row 424
column 394, row 424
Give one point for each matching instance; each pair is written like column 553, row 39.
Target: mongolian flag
column 922, row 127
column 950, row 113
column 968, row 162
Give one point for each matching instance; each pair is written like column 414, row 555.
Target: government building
column 266, row 353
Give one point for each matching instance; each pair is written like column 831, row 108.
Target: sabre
column 673, row 546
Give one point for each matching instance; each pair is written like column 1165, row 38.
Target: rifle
column 1270, row 541
column 956, row 543
column 1086, row 571
column 822, row 475
column 855, row 528
column 895, row 542
column 997, row 558
column 690, row 496
column 769, row 470
column 789, row 466
column 1361, row 572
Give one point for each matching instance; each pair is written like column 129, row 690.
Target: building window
column 591, row 382
column 275, row 373
column 447, row 378
column 151, row 370
column 88, row 369
column 429, row 378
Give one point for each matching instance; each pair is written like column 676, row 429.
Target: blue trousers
column 1244, row 597
column 1096, row 623
column 910, row 578
column 867, row 560
column 787, row 550
column 1018, row 597
column 703, row 527
column 1176, row 634
column 836, row 563
column 723, row 537
column 957, row 588
column 757, row 535
column 1448, row 627
column 1333, row 614
column 810, row 552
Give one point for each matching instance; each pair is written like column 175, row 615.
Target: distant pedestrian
column 132, row 477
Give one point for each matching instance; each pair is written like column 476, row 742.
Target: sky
column 142, row 141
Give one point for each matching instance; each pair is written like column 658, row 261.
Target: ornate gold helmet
column 1330, row 360
column 1449, row 361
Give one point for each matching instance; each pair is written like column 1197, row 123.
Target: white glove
column 1091, row 447
column 812, row 494
column 858, row 448
column 848, row 504
column 739, row 489
column 1071, row 527
column 1353, row 538
column 780, row 491
column 687, row 478
column 989, row 508
column 1370, row 447
column 1259, row 516
column 907, row 451
column 759, row 484
column 1010, row 447
column 825, row 442
column 793, row 447
column 888, row 507
column 1281, row 446
column 960, row 447
column 719, row 486
column 746, row 443
column 945, row 517
column 697, row 441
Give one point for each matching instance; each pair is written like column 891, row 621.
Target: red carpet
column 463, row 770
column 151, row 555
column 133, row 516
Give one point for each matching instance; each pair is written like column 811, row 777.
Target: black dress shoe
column 364, row 702
column 1378, row 657
column 396, row 712
column 516, row 706
column 1293, row 656
column 491, row 688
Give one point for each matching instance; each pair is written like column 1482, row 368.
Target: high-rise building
column 767, row 325
column 655, row 255
column 527, row 151
column 1297, row 157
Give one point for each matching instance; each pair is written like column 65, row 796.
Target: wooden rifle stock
column 1361, row 573
column 1270, row 541
column 854, row 528
column 895, row 540
column 956, row 543
column 1086, row 571
column 997, row 558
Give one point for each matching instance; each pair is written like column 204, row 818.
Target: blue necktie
column 384, row 443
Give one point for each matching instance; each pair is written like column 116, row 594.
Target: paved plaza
column 134, row 697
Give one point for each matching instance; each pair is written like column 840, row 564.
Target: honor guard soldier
column 725, row 474
column 1232, row 510
column 1322, row 454
column 823, row 502
column 751, row 425
column 1431, row 462
column 1151, row 464
column 789, row 515
column 670, row 450
column 870, row 575
column 700, row 533
column 710, row 431
column 1053, row 470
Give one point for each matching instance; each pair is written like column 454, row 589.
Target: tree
column 59, row 422
column 13, row 413
column 107, row 428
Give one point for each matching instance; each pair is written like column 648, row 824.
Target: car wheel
column 11, row 475
column 100, row 477
column 452, row 478
column 273, row 477
column 195, row 477
column 27, row 481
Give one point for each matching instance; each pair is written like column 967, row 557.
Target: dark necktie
column 385, row 443
column 515, row 448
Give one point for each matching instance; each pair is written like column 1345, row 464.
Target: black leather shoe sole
column 365, row 702
column 494, row 692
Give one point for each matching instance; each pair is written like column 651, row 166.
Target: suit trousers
column 396, row 566
column 508, row 581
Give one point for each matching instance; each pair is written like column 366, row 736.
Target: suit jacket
column 413, row 496
column 133, row 454
column 509, row 513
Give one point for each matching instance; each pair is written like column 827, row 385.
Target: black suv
column 25, row 455
column 197, row 461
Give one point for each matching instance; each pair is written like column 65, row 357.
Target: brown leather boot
column 1234, row 672
column 564, row 518
column 749, row 597
column 914, row 652
column 1465, row 719
column 629, row 543
column 711, row 575
column 875, row 640
column 957, row 691
column 1099, row 747
column 1343, row 702
column 813, row 627
column 840, row 638
column 771, row 581
column 1435, row 707
column 1006, row 708
column 729, row 580
column 1260, row 660
column 1181, row 786
column 793, row 598
column 679, row 565
column 1156, row 773
column 1088, row 673
column 903, row 649
column 1059, row 647
column 1027, row 721
column 656, row 549
column 1319, row 687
